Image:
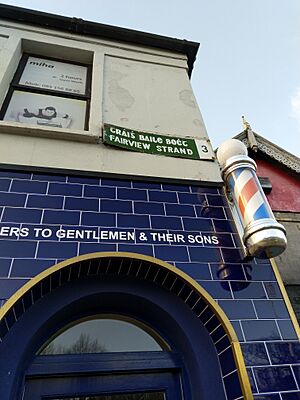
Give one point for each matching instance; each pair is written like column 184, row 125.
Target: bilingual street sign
column 150, row 143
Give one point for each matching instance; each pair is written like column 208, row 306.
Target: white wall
column 133, row 87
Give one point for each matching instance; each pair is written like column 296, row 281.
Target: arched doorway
column 201, row 358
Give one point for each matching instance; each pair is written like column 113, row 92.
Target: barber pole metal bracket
column 263, row 236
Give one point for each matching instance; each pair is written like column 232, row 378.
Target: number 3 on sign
column 204, row 149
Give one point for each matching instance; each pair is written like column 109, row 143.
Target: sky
column 248, row 62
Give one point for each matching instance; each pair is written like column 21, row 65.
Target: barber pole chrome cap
column 263, row 236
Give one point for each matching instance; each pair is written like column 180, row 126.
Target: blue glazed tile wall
column 175, row 223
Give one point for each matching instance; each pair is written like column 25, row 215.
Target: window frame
column 15, row 85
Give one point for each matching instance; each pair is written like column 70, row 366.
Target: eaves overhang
column 95, row 29
column 272, row 151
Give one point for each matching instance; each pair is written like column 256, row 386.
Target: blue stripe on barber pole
column 238, row 171
column 261, row 212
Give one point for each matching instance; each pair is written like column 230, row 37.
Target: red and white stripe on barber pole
column 249, row 197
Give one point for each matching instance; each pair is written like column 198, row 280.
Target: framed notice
column 47, row 74
column 44, row 110
column 47, row 92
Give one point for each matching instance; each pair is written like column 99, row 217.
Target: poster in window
column 44, row 110
column 59, row 76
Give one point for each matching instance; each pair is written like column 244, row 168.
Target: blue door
column 128, row 376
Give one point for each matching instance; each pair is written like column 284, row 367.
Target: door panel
column 124, row 396
column 137, row 385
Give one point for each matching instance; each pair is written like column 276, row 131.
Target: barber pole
column 263, row 236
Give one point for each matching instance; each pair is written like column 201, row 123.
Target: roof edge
column 110, row 32
column 275, row 152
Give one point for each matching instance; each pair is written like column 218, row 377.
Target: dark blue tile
column 287, row 329
column 255, row 354
column 176, row 188
column 21, row 215
column 204, row 254
column 217, row 290
column 148, row 208
column 260, row 272
column 267, row 397
column 98, row 219
column 195, row 270
column 77, row 203
column 41, row 201
column 218, row 334
column 225, row 240
column 284, row 352
column 232, row 386
column 12, row 231
column 22, row 186
column 100, row 192
column 197, row 189
column 12, row 199
column 163, row 196
column 216, row 200
column 146, row 185
column 197, row 224
column 117, row 235
column 9, row 286
column 232, row 255
column 274, row 379
column 131, row 194
column 238, row 309
column 273, row 290
column 65, row 189
column 206, row 315
column 223, row 226
column 78, row 233
column 84, row 180
column 296, row 370
column 227, row 272
column 133, row 221
column 260, row 330
column 152, row 237
column 29, row 268
column 251, row 380
column 15, row 174
column 61, row 217
column 171, row 253
column 238, row 330
column 222, row 344
column 57, row 250
column 227, row 361
column 41, row 232
column 121, row 206
column 194, row 238
column 191, row 198
column 291, row 396
column 86, row 248
column 158, row 222
column 139, row 249
column 4, row 184
column 17, row 248
column 210, row 212
column 254, row 290
column 115, row 183
column 49, row 178
column 179, row 210
column 271, row 309
column 4, row 266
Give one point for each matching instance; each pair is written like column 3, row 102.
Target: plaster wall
column 132, row 87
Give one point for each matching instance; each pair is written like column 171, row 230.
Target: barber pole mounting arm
column 263, row 236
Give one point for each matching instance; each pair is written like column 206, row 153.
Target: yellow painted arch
column 236, row 348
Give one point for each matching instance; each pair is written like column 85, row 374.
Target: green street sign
column 162, row 145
